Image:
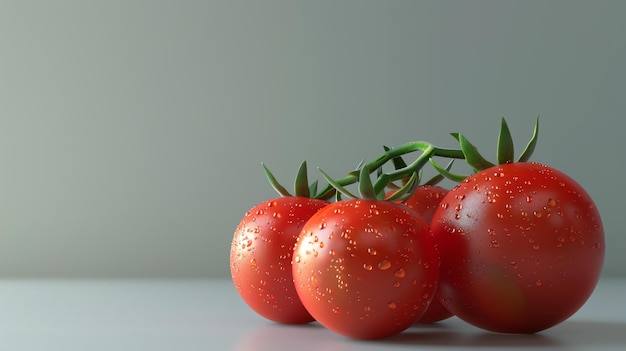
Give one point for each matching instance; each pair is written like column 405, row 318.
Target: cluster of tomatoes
column 516, row 247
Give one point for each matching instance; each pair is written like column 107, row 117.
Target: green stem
column 428, row 151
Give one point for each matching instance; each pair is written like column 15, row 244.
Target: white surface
column 209, row 315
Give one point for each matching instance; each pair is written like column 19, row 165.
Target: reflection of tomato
column 522, row 247
column 425, row 201
column 261, row 254
column 365, row 269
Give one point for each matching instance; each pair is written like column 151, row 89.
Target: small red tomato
column 522, row 248
column 261, row 254
column 365, row 269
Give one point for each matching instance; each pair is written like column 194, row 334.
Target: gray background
column 132, row 132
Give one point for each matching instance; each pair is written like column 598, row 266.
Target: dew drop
column 538, row 282
column 551, row 202
column 384, row 265
column 400, row 273
column 392, row 305
column 322, row 225
column 491, row 232
column 371, row 251
column 367, row 267
column 314, row 282
column 529, row 199
column 296, row 259
column 396, row 284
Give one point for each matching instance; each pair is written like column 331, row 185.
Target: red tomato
column 425, row 201
column 522, row 248
column 365, row 269
column 261, row 254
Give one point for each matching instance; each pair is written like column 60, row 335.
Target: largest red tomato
column 522, row 247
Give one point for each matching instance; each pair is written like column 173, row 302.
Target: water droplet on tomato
column 529, row 199
column 371, row 251
column 539, row 282
column 384, row 265
column 400, row 273
column 396, row 284
column 296, row 259
column 392, row 305
column 367, row 267
column 551, row 202
column 458, row 207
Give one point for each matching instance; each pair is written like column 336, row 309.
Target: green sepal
column 472, row 156
column 398, row 161
column 357, row 170
column 406, row 191
column 446, row 173
column 274, row 183
column 338, row 196
column 530, row 148
column 439, row 177
column 381, row 183
column 366, row 188
column 313, row 187
column 506, row 151
column 301, row 184
column 336, row 185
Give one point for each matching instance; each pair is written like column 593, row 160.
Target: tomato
column 365, row 269
column 261, row 254
column 425, row 201
column 521, row 245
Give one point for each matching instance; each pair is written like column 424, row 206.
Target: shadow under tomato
column 455, row 334
column 597, row 334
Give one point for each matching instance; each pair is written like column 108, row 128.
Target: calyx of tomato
column 505, row 152
column 399, row 163
column 301, row 186
column 408, row 173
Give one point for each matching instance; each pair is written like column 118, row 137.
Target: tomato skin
column 522, row 248
column 261, row 254
column 365, row 269
column 425, row 201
